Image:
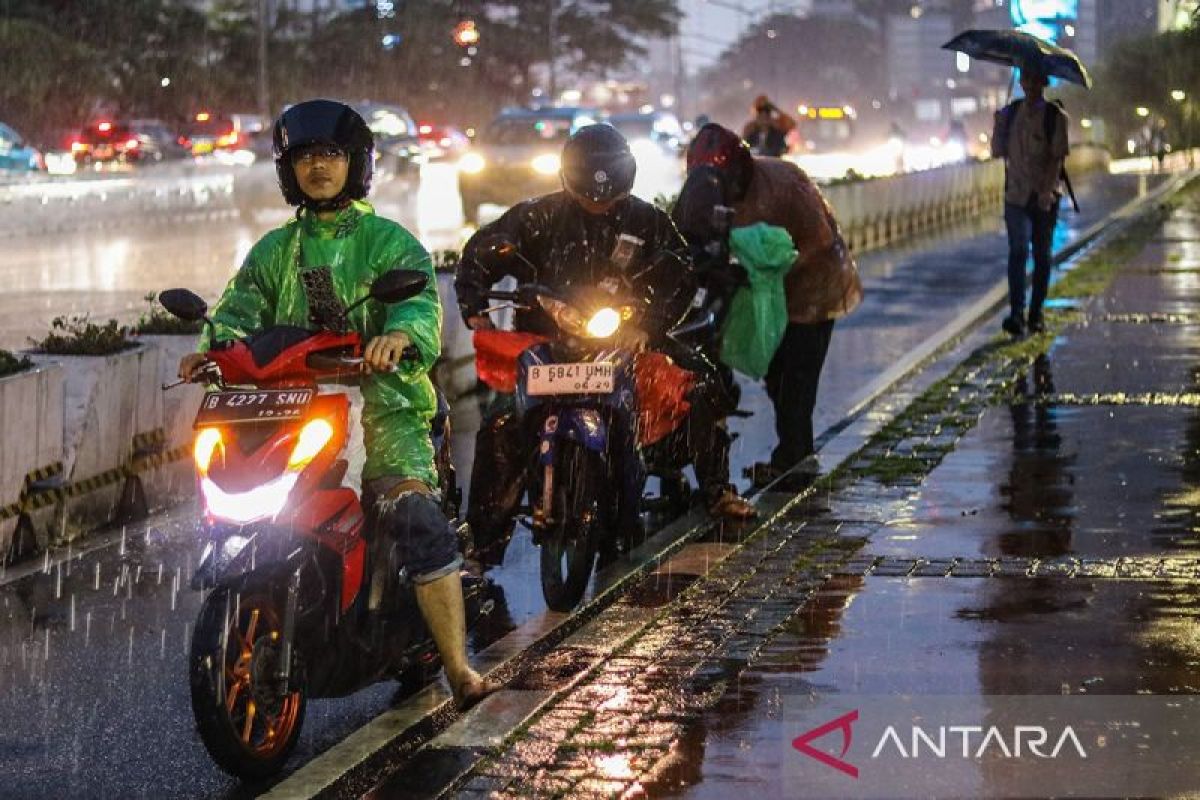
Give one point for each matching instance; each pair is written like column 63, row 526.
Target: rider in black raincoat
column 592, row 231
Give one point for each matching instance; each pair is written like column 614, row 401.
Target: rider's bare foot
column 731, row 505
column 470, row 688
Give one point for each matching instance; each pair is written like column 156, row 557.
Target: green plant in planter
column 78, row 336
column 158, row 321
column 11, row 364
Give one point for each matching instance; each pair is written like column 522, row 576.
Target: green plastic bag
column 758, row 314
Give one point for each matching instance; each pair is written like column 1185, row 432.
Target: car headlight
column 546, row 164
column 604, row 323
column 472, row 164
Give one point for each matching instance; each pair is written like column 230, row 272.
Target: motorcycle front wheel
column 248, row 726
column 569, row 544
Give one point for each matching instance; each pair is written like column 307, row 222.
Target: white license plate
column 589, row 378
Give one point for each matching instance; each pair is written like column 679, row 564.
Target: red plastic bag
column 662, row 389
column 496, row 356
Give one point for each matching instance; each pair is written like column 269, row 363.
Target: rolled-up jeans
column 426, row 545
column 1026, row 225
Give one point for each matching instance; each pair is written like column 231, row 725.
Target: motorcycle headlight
column 313, row 437
column 564, row 315
column 472, row 163
column 261, row 502
column 604, row 323
column 207, row 442
column 546, row 164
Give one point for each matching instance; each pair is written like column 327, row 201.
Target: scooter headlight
column 207, row 442
column 604, row 323
column 313, row 437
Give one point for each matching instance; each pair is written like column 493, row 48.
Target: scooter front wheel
column 248, row 725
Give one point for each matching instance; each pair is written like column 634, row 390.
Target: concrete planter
column 31, row 430
column 109, row 400
column 173, row 480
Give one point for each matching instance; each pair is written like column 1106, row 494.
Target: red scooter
column 303, row 601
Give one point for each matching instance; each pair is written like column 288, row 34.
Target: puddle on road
column 1039, row 480
column 962, row 637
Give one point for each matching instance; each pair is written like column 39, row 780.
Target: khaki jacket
column 823, row 284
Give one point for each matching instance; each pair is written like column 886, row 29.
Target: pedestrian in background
column 767, row 132
column 1030, row 134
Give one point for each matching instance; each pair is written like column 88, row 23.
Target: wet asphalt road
column 92, row 654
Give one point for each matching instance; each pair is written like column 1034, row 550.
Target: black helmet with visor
column 597, row 164
column 323, row 123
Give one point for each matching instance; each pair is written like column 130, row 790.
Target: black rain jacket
column 566, row 247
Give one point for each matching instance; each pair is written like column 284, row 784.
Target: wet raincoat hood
column 352, row 249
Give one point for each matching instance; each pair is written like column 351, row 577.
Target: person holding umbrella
column 1031, row 136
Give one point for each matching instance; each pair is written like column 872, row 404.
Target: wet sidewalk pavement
column 1027, row 526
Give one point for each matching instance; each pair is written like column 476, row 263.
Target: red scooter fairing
column 247, row 466
column 264, row 363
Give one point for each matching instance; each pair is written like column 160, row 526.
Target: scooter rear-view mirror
column 184, row 303
column 398, row 285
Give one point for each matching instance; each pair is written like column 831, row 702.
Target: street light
column 1142, row 111
column 1178, row 95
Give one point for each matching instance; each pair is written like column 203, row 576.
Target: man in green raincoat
column 305, row 274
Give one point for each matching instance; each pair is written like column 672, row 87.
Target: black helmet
column 597, row 164
column 324, row 122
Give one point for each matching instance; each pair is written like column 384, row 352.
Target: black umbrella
column 1014, row 48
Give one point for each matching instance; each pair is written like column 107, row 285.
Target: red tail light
column 131, row 144
column 228, row 139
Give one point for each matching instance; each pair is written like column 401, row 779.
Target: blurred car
column 442, row 141
column 15, row 153
column 651, row 132
column 517, row 156
column 106, row 142
column 157, row 142
column 206, row 133
column 397, row 144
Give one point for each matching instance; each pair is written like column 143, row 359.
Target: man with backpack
column 1031, row 136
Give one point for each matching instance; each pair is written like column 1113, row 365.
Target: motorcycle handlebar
column 333, row 362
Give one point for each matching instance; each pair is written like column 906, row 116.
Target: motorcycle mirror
column 185, row 304
column 398, row 285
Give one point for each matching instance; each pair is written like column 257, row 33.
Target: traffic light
column 465, row 33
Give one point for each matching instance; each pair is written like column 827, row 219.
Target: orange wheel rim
column 261, row 733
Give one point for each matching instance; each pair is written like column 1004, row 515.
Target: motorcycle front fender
column 232, row 554
column 584, row 426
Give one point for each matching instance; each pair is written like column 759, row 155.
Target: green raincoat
column 358, row 246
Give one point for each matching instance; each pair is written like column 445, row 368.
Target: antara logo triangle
column 842, row 723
